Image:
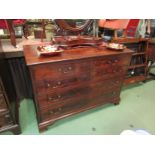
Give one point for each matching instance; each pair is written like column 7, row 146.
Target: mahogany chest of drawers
column 77, row 80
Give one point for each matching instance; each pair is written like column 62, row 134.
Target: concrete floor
column 135, row 111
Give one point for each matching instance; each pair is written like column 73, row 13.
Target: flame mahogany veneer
column 78, row 80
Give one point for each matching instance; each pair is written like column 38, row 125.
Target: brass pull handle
column 58, row 84
column 113, row 93
column 51, row 112
column 109, row 62
column 50, row 98
column 70, row 68
column 7, row 116
column 54, row 98
column 48, row 85
column 59, row 109
column 115, row 61
column 66, row 70
column 59, row 96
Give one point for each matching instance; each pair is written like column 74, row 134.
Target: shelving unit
column 138, row 69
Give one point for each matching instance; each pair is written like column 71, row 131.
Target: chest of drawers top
column 32, row 58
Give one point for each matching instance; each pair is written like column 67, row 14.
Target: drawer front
column 63, row 97
column 55, row 112
column 59, row 70
column 5, row 120
column 3, row 104
column 49, row 113
column 107, row 84
column 109, row 72
column 114, row 60
column 49, row 85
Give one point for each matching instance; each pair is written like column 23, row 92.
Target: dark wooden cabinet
column 77, row 80
column 138, row 68
column 8, row 108
column 8, row 113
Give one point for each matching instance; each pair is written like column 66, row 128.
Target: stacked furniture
column 78, row 80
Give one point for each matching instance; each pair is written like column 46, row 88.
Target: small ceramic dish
column 115, row 46
column 49, row 50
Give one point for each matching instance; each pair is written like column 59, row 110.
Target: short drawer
column 63, row 97
column 108, row 72
column 59, row 70
column 5, row 120
column 54, row 112
column 107, row 84
column 3, row 104
column 111, row 61
column 49, row 85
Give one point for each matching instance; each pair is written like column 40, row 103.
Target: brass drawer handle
column 115, row 61
column 59, row 109
column 50, row 98
column 113, row 93
column 65, row 70
column 59, row 96
column 48, row 85
column 54, row 98
column 109, row 62
column 58, row 84
column 7, row 116
column 51, row 112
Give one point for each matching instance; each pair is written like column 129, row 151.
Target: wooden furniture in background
column 151, row 56
column 8, row 110
column 138, row 69
column 78, row 80
column 9, row 24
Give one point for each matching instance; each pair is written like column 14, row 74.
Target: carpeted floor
column 135, row 111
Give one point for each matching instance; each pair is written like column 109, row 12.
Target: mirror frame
column 65, row 26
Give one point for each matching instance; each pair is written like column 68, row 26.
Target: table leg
column 11, row 31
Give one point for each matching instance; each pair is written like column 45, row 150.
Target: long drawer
column 58, row 70
column 63, row 95
column 82, row 103
column 5, row 120
column 3, row 104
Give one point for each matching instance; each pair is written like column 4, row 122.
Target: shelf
column 138, row 53
column 134, row 79
column 136, row 66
